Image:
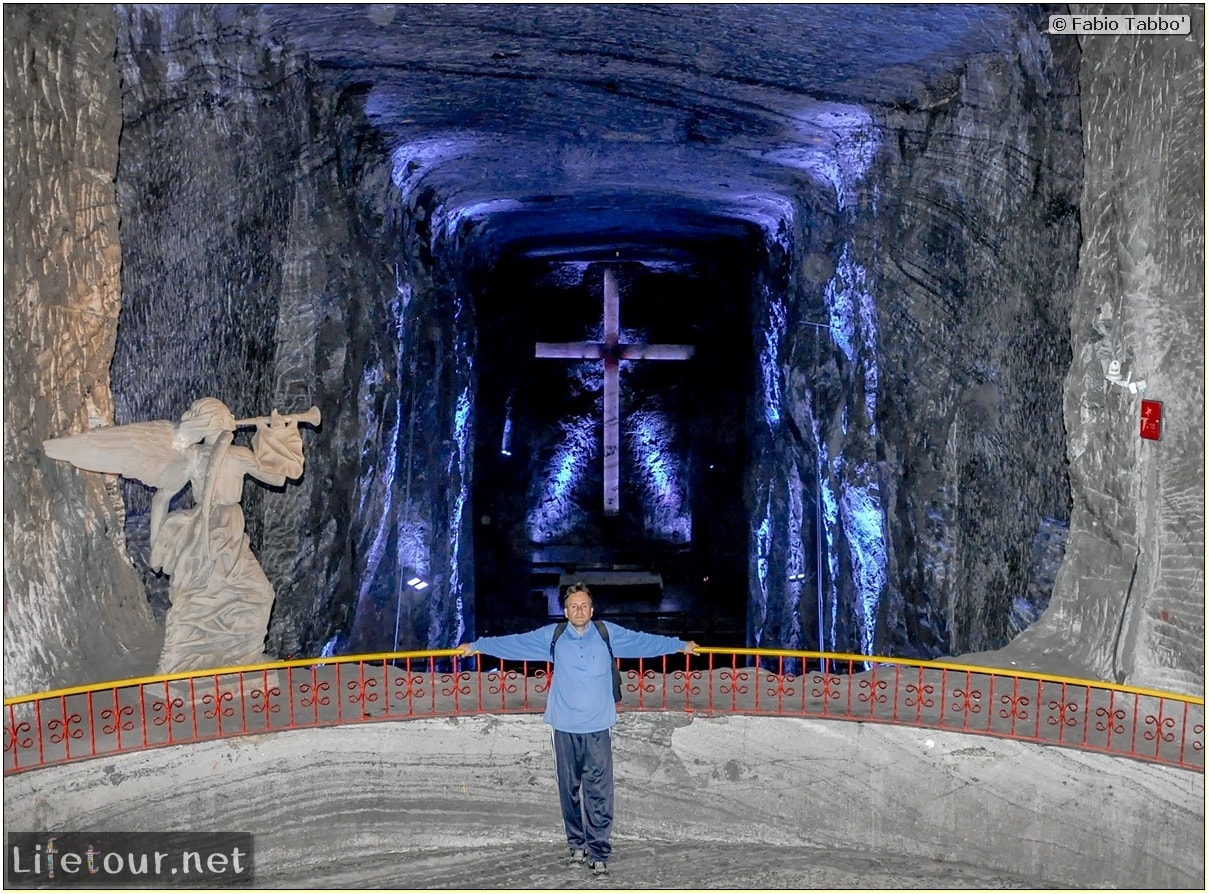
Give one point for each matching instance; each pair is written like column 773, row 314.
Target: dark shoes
column 579, row 857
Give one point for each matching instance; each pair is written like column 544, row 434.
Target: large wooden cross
column 611, row 351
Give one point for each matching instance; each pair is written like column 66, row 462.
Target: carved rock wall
column 339, row 347
column 923, row 352
column 74, row 610
column 389, row 367
column 213, row 125
column 271, row 265
column 271, row 258
column 974, row 252
column 1129, row 601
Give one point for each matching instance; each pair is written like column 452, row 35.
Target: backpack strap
column 604, row 634
column 561, row 628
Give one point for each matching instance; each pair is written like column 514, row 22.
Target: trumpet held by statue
column 311, row 417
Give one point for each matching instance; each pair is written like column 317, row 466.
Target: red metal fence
column 131, row 715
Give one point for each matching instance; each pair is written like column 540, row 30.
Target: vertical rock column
column 1129, row 600
column 75, row 610
column 975, row 243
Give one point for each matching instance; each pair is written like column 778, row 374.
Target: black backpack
column 604, row 634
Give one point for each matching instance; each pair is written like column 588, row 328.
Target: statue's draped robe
column 220, row 597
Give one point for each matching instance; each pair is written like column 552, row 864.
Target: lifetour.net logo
column 127, row 859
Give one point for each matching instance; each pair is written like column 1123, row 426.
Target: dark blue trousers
column 583, row 763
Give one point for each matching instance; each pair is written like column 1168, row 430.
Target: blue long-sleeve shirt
column 581, row 693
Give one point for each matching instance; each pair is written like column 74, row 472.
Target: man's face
column 578, row 609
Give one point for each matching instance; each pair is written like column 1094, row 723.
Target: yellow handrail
column 232, row 669
column 950, row 665
column 700, row 650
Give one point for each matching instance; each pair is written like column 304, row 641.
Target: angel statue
column 219, row 593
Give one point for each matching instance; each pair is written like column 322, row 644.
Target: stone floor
column 645, row 865
column 732, row 802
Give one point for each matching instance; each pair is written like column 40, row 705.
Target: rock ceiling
column 572, row 127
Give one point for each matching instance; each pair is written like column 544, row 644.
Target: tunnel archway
column 673, row 557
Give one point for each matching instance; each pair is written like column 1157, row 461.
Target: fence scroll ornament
column 220, row 596
column 42, row 729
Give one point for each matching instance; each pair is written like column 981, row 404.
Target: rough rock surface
column 756, row 799
column 201, row 275
column 74, row 609
column 305, row 302
column 306, row 218
column 975, row 250
column 1129, row 601
column 928, row 408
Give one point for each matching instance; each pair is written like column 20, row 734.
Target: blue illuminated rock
column 903, row 224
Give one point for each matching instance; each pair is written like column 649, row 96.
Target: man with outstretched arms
column 581, row 708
